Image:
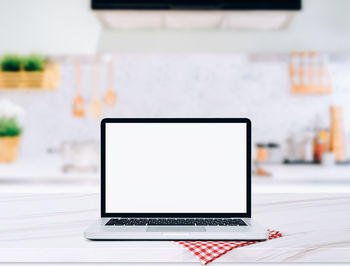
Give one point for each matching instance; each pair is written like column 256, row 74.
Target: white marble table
column 49, row 228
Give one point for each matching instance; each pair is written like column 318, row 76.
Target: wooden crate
column 35, row 80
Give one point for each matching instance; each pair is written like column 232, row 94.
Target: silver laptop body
column 175, row 179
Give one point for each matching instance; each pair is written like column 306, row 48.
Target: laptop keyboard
column 176, row 221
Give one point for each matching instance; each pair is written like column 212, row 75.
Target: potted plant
column 28, row 72
column 11, row 65
column 10, row 131
column 34, row 75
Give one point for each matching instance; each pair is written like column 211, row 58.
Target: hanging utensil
column 110, row 97
column 96, row 106
column 78, row 104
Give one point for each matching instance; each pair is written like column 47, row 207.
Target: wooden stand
column 309, row 74
column 41, row 80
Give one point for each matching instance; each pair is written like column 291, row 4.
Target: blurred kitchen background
column 65, row 66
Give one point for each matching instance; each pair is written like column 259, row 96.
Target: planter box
column 9, row 149
column 46, row 79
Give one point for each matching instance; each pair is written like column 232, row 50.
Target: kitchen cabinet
column 303, row 178
column 45, row 175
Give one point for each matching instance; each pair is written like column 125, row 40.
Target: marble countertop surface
column 49, row 228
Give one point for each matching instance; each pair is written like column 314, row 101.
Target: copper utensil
column 95, row 106
column 78, row 104
column 110, row 97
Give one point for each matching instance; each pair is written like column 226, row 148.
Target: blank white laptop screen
column 176, row 167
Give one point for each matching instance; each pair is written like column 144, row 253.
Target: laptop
column 176, row 179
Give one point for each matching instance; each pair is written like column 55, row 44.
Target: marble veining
column 49, row 228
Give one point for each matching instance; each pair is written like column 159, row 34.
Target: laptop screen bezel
column 105, row 121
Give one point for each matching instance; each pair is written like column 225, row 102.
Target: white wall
column 68, row 27
column 48, row 26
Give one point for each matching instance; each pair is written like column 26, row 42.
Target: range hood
column 196, row 14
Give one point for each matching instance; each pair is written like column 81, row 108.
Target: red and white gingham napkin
column 208, row 251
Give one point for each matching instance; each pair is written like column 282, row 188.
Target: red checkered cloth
column 208, row 251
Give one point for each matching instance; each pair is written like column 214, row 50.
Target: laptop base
column 99, row 231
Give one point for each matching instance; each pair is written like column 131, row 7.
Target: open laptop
column 175, row 179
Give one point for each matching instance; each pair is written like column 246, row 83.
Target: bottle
column 337, row 139
column 322, row 144
column 320, row 149
column 308, row 147
column 274, row 153
column 262, row 153
column 324, row 135
column 291, row 150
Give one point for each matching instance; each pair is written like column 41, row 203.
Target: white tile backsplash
column 182, row 85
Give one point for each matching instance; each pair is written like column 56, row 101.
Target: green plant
column 9, row 127
column 34, row 63
column 11, row 62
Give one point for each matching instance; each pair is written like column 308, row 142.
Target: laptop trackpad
column 175, row 229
